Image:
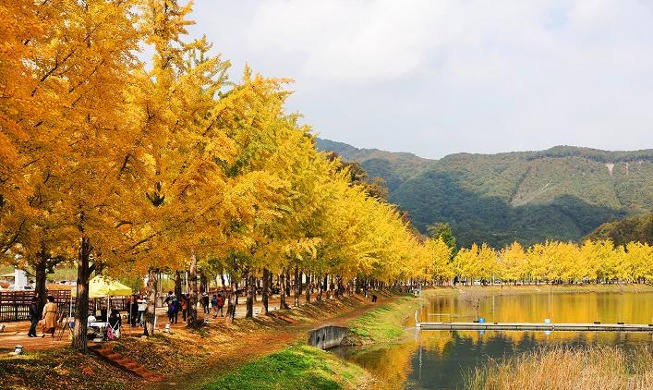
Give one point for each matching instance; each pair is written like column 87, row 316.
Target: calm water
column 440, row 360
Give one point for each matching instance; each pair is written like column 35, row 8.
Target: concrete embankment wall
column 327, row 336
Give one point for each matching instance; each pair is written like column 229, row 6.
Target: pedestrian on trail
column 173, row 310
column 34, row 316
column 220, row 305
column 184, row 306
column 214, row 305
column 205, row 302
column 171, row 301
column 142, row 306
column 49, row 316
column 133, row 311
column 169, row 298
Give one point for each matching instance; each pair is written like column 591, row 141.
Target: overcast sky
column 436, row 77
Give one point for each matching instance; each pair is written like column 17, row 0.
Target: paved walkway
column 15, row 333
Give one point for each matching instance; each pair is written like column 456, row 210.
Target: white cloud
column 436, row 77
column 348, row 40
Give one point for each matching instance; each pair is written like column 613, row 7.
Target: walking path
column 15, row 333
column 184, row 358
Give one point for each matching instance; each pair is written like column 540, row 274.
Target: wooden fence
column 14, row 305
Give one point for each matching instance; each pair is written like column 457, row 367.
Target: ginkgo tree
column 134, row 170
column 78, row 139
column 512, row 263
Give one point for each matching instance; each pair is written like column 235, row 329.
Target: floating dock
column 526, row 326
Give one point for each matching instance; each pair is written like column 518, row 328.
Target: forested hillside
column 637, row 229
column 562, row 193
column 394, row 168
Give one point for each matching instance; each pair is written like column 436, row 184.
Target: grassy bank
column 383, row 324
column 303, row 367
column 296, row 367
column 188, row 357
column 594, row 368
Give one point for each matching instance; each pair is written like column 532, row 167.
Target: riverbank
column 509, row 289
column 186, row 358
column 379, row 327
column 302, row 367
column 265, row 352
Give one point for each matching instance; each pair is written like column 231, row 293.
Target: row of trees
column 127, row 168
column 556, row 262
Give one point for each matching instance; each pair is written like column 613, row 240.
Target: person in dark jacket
column 205, row 302
column 34, row 316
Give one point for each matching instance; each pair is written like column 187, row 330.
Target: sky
column 436, row 77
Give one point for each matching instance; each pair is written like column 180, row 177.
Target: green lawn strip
column 296, row 367
column 384, row 323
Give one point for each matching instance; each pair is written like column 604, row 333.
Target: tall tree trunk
column 341, row 288
column 192, row 293
column 266, row 289
column 300, row 282
column 233, row 301
column 288, row 289
column 309, row 285
column 152, row 280
column 84, row 271
column 222, row 281
column 319, row 288
column 40, row 270
column 251, row 290
column 254, row 295
column 178, row 284
column 282, row 291
column 204, row 283
column 297, row 286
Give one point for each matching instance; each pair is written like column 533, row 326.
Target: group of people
column 217, row 305
column 176, row 305
column 137, row 308
column 47, row 317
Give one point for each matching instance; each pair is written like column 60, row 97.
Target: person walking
column 205, row 302
column 173, row 310
column 142, row 306
column 34, row 316
column 220, row 305
column 214, row 306
column 184, row 307
column 171, row 302
column 133, row 310
column 50, row 313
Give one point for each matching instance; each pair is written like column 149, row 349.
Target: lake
column 441, row 359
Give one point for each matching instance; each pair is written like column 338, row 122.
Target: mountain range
column 562, row 193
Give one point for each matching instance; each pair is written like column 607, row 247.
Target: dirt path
column 251, row 346
column 184, row 358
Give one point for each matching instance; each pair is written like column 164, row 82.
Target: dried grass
column 609, row 368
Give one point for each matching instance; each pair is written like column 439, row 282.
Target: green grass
column 385, row 323
column 296, row 367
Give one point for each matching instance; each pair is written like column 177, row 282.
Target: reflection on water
column 440, row 360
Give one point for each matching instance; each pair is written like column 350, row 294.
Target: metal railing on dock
column 526, row 326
